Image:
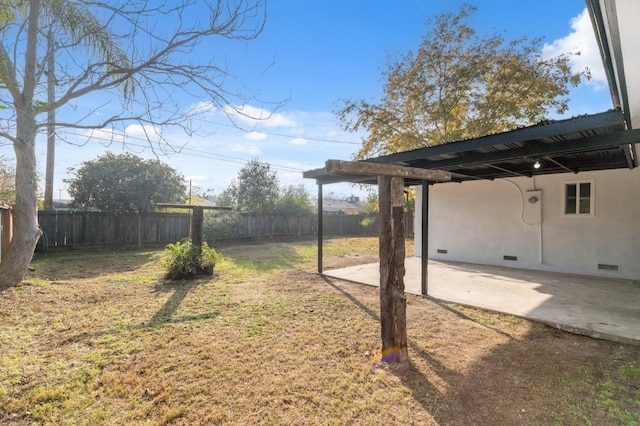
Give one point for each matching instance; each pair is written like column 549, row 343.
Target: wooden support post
column 320, row 230
column 196, row 225
column 393, row 301
column 424, row 287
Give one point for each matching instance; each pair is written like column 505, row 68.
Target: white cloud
column 256, row 136
column 254, row 116
column 246, row 149
column 147, row 132
column 105, row 135
column 299, row 141
column 583, row 40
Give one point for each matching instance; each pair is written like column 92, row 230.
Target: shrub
column 186, row 260
column 220, row 226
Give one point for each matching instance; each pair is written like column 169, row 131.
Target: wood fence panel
column 71, row 229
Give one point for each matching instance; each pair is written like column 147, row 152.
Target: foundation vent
column 605, row 267
column 442, row 251
column 507, row 257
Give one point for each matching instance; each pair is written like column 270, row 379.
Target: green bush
column 185, row 260
column 220, row 226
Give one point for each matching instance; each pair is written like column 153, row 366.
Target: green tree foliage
column 255, row 189
column 371, row 205
column 7, row 178
column 124, row 183
column 223, row 225
column 294, row 201
column 460, row 85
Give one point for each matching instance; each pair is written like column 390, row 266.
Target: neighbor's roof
column 589, row 142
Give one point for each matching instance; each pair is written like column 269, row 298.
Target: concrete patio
column 598, row 307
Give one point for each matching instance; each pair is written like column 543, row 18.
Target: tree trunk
column 25, row 227
column 393, row 301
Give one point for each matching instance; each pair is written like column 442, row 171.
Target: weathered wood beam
column 373, row 169
column 197, row 222
column 393, row 302
column 191, row 207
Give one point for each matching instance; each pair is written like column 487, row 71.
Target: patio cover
column 589, row 142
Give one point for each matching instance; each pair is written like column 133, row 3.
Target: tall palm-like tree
column 81, row 29
column 154, row 46
column 78, row 24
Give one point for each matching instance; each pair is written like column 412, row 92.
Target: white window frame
column 592, row 198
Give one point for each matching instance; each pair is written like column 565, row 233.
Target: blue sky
column 313, row 53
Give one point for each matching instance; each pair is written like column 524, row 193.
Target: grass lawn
column 100, row 337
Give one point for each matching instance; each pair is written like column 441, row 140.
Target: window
column 578, row 198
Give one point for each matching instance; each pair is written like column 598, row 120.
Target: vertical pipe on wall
column 541, row 254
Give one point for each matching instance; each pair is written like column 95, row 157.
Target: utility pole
column 51, row 119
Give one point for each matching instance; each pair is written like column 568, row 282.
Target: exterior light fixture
column 536, row 165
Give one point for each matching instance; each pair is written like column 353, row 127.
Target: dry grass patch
column 98, row 337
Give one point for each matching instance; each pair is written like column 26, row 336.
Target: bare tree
column 137, row 54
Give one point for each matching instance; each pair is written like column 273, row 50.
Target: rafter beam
column 559, row 164
column 502, row 169
column 361, row 168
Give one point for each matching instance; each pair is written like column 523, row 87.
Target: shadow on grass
column 165, row 315
column 419, row 385
column 352, row 298
column 180, row 291
column 447, row 307
column 544, row 376
column 91, row 263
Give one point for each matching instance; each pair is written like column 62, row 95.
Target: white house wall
column 484, row 221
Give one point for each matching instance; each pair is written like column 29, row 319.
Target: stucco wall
column 481, row 222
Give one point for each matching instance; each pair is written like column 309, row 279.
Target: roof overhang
column 618, row 37
column 585, row 143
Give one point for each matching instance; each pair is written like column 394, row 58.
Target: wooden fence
column 248, row 226
column 77, row 229
column 73, row 229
